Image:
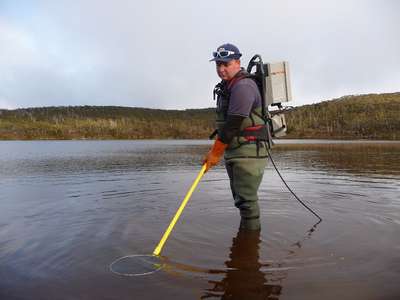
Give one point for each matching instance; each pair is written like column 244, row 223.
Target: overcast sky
column 156, row 53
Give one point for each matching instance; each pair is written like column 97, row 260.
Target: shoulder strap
column 223, row 88
column 220, row 89
column 239, row 76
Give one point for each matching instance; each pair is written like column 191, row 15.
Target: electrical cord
column 290, row 190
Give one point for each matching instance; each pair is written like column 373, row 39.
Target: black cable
column 260, row 71
column 283, row 180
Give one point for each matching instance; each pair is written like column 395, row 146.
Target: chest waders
column 246, row 155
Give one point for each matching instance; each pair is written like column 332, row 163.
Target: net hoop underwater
column 136, row 265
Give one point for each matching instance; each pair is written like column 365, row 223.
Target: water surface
column 70, row 208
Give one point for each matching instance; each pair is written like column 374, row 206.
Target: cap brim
column 222, row 59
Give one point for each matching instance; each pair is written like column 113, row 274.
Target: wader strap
column 213, row 134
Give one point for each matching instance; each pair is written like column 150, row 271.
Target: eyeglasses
column 223, row 53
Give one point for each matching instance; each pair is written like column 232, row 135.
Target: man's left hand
column 215, row 154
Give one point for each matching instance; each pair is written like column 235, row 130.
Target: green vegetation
column 374, row 116
column 104, row 122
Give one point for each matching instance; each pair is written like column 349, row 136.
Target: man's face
column 227, row 70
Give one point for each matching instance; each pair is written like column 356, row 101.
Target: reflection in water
column 358, row 158
column 308, row 235
column 111, row 157
column 244, row 278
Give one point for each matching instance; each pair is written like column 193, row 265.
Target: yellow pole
column 160, row 245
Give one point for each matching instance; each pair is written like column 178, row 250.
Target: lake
column 70, row 208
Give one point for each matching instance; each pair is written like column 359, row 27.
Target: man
column 240, row 133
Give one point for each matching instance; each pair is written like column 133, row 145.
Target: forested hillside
column 104, row 122
column 373, row 116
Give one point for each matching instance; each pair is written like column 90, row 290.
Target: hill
column 104, row 122
column 373, row 116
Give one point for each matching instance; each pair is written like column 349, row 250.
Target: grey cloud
column 155, row 53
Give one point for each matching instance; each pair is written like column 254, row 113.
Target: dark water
column 68, row 209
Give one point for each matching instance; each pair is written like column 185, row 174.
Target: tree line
column 373, row 116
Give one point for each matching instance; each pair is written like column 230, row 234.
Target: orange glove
column 214, row 155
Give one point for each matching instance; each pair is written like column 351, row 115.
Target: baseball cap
column 226, row 52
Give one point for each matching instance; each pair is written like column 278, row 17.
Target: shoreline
column 206, row 141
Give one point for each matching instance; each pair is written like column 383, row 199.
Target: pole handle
column 167, row 232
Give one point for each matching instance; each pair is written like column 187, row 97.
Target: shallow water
column 70, row 208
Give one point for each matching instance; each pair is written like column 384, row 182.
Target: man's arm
column 231, row 128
